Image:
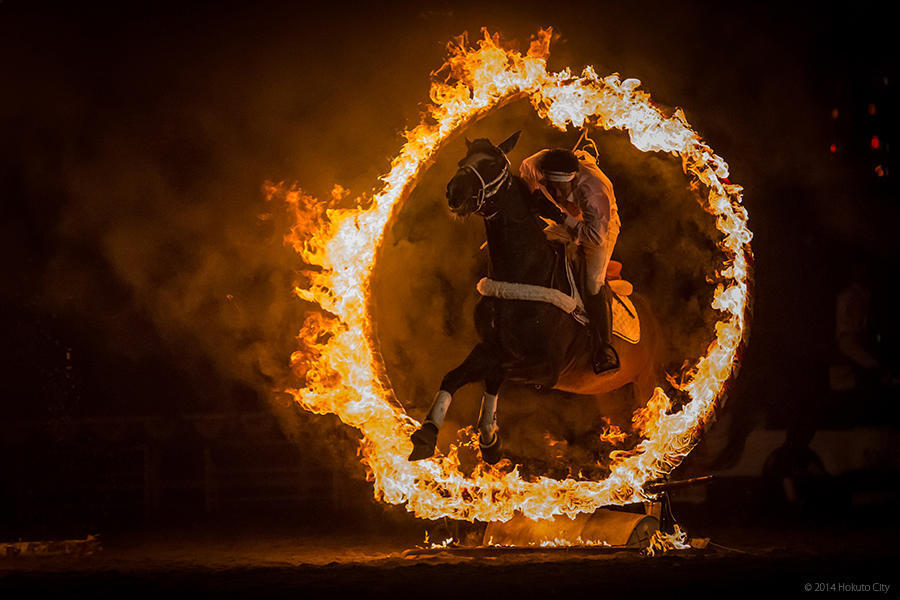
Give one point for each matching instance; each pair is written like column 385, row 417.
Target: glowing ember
column 435, row 545
column 561, row 543
column 341, row 371
column 556, row 543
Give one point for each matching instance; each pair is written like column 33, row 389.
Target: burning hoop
column 341, row 368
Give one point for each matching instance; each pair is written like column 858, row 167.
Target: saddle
column 626, row 323
column 566, row 293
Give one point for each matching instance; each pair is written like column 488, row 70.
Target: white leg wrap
column 487, row 421
column 439, row 407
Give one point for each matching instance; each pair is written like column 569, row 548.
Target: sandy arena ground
column 778, row 564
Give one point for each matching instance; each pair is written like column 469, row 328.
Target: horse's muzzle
column 460, row 208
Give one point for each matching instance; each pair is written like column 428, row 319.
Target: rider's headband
column 559, row 176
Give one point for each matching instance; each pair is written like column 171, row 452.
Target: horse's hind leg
column 473, row 368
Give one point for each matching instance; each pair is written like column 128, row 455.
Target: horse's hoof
column 424, row 441
column 490, row 453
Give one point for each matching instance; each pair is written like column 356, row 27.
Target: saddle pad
column 626, row 323
column 620, row 286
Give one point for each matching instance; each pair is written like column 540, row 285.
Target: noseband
column 489, row 188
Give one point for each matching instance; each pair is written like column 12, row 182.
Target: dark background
column 146, row 301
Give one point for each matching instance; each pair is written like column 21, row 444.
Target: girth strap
column 534, row 293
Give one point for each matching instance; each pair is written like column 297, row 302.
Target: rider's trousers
column 596, row 260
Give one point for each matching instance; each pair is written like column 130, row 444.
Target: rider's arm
column 545, row 208
column 594, row 201
column 529, row 171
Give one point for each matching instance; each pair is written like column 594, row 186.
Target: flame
column 555, row 543
column 661, row 542
column 612, row 434
column 428, row 544
column 646, row 419
column 564, row 543
column 338, row 364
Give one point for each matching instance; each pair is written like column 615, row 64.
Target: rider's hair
column 559, row 159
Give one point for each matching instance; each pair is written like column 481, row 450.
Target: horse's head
column 482, row 173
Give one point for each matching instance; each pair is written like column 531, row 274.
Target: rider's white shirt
column 592, row 194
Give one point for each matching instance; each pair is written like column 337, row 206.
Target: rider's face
column 560, row 190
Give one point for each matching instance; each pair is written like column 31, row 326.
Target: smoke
column 140, row 178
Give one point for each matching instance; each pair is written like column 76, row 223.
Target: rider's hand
column 546, row 208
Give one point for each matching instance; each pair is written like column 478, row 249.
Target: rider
column 577, row 185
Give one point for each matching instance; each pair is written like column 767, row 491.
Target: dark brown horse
column 524, row 341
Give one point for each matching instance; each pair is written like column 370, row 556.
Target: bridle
column 489, row 188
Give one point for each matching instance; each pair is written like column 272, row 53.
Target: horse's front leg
column 473, row 368
column 488, row 430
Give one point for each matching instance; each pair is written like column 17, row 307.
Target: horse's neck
column 519, row 251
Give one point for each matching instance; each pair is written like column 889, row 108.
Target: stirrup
column 611, row 364
column 604, row 370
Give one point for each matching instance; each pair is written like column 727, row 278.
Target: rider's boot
column 604, row 358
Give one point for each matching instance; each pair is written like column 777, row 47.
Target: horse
column 523, row 341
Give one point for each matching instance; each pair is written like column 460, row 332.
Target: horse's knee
column 471, row 369
column 458, row 377
column 452, row 381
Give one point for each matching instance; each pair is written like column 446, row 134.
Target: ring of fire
column 340, row 367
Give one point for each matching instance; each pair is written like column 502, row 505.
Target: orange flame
column 612, row 434
column 646, row 419
column 338, row 365
column 661, row 542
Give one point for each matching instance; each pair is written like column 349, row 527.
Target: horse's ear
column 468, row 143
column 510, row 142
